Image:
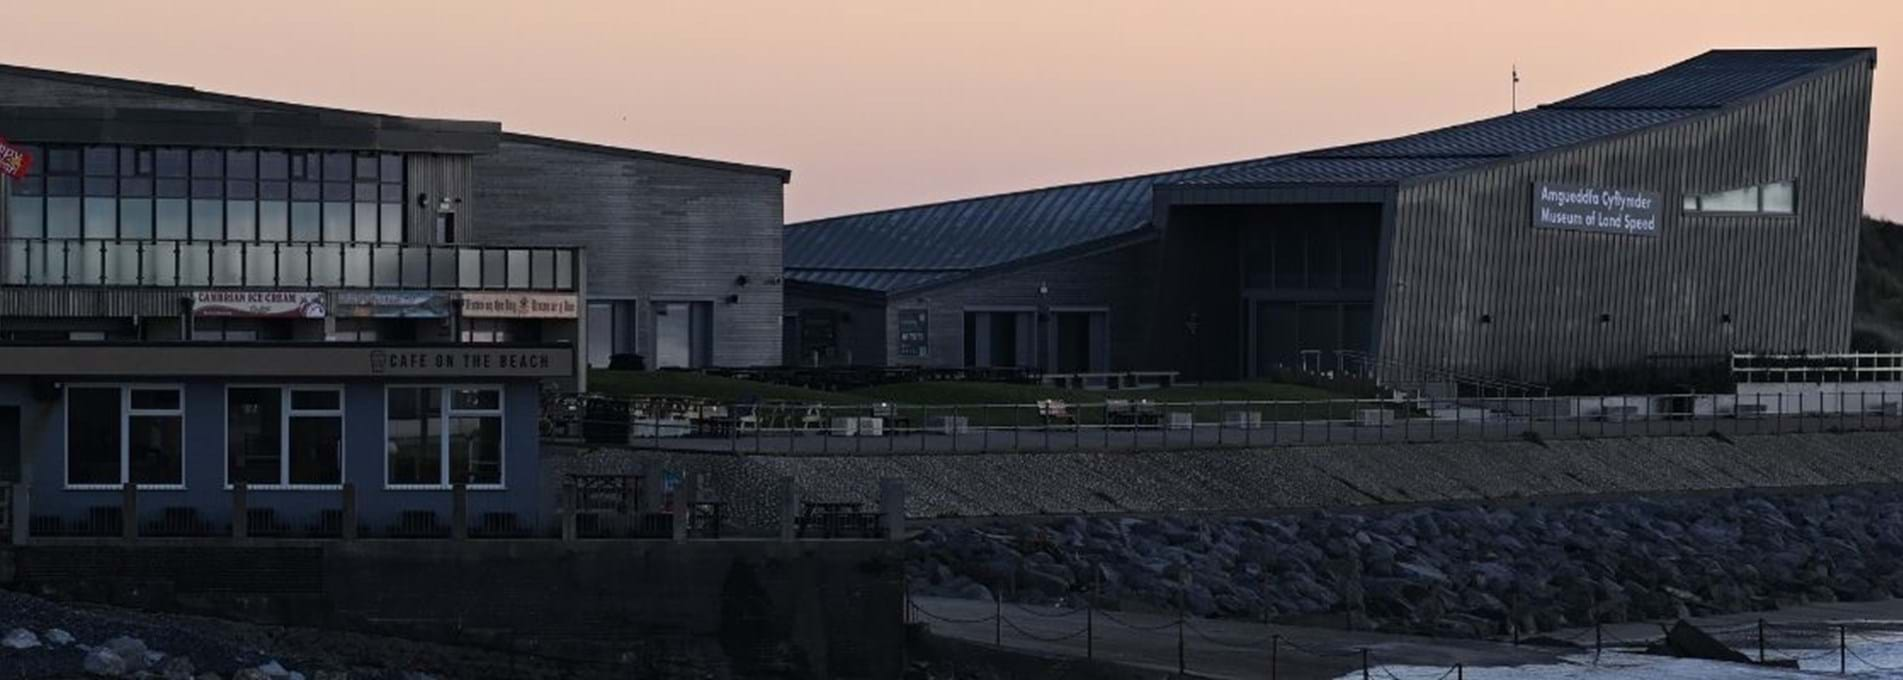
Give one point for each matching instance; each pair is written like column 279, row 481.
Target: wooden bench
column 1054, row 411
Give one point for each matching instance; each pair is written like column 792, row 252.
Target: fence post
column 1364, row 663
column 1090, row 631
column 129, row 512
column 1275, row 652
column 1460, row 671
column 570, row 496
column 1598, row 640
column 997, row 619
column 22, row 518
column 892, row 507
column 684, row 497
column 1182, row 668
column 1760, row 642
column 1843, row 648
column 348, row 517
column 240, row 511
column 789, row 509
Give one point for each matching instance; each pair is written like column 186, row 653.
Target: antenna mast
column 1516, row 88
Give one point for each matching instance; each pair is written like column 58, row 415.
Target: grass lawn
column 672, row 383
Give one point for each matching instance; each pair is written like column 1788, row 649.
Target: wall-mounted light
column 740, row 280
column 1725, row 318
column 733, row 299
column 1486, row 318
column 1605, row 318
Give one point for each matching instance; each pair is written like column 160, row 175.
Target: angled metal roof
column 907, row 248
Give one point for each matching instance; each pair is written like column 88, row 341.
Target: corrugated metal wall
column 1786, row 282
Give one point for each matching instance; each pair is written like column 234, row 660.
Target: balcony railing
column 232, row 264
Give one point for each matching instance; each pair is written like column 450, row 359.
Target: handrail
column 286, row 264
column 1384, row 371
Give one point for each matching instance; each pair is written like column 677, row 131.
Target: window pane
column 241, row 164
column 367, row 167
column 475, row 450
column 135, row 218
column 207, row 163
column 316, row 450
column 336, row 222
column 154, row 449
column 391, row 219
column 155, row 400
column 468, row 399
column 273, row 220
column 173, row 216
column 392, row 168
column 366, row 225
column 241, row 220
column 171, row 162
column 272, row 165
column 92, row 435
column 1780, row 197
column 253, row 435
column 208, row 219
column 1736, row 200
column 336, row 166
column 414, row 427
column 135, row 186
column 62, row 217
column 62, row 161
column 314, row 400
column 172, row 188
column 102, row 217
column 102, row 161
column 25, row 218
column 305, row 222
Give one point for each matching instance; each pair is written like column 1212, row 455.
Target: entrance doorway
column 998, row 339
column 1281, row 333
column 1080, row 341
column 682, row 334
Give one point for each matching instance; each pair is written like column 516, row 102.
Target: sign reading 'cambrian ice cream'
column 1589, row 208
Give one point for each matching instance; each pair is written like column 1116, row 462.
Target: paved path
column 1210, row 648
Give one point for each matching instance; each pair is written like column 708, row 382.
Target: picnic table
column 838, row 519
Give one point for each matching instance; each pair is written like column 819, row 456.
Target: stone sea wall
column 1466, row 570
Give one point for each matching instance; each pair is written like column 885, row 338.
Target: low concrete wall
column 1245, row 481
column 721, row 608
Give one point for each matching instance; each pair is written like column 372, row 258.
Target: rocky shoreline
column 1465, row 570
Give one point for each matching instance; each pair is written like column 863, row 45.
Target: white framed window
column 436, row 435
column 119, row 434
column 287, row 437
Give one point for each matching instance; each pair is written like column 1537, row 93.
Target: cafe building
column 1708, row 207
column 203, row 294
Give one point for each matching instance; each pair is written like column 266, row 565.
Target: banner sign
column 389, row 304
column 14, row 162
column 269, row 304
column 1605, row 210
column 519, row 306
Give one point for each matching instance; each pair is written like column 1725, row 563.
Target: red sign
column 13, row 162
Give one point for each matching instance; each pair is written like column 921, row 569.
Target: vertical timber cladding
column 436, row 177
column 1465, row 247
column 655, row 229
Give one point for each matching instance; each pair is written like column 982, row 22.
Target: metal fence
column 1088, row 632
column 679, row 423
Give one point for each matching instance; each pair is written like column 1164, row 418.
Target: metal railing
column 782, row 428
column 231, row 264
column 1817, row 368
column 1415, row 378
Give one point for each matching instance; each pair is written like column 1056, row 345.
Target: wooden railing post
column 240, row 512
column 129, row 512
column 349, row 515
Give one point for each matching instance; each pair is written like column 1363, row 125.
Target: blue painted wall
column 43, row 441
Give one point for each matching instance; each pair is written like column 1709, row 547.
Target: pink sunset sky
column 882, row 104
